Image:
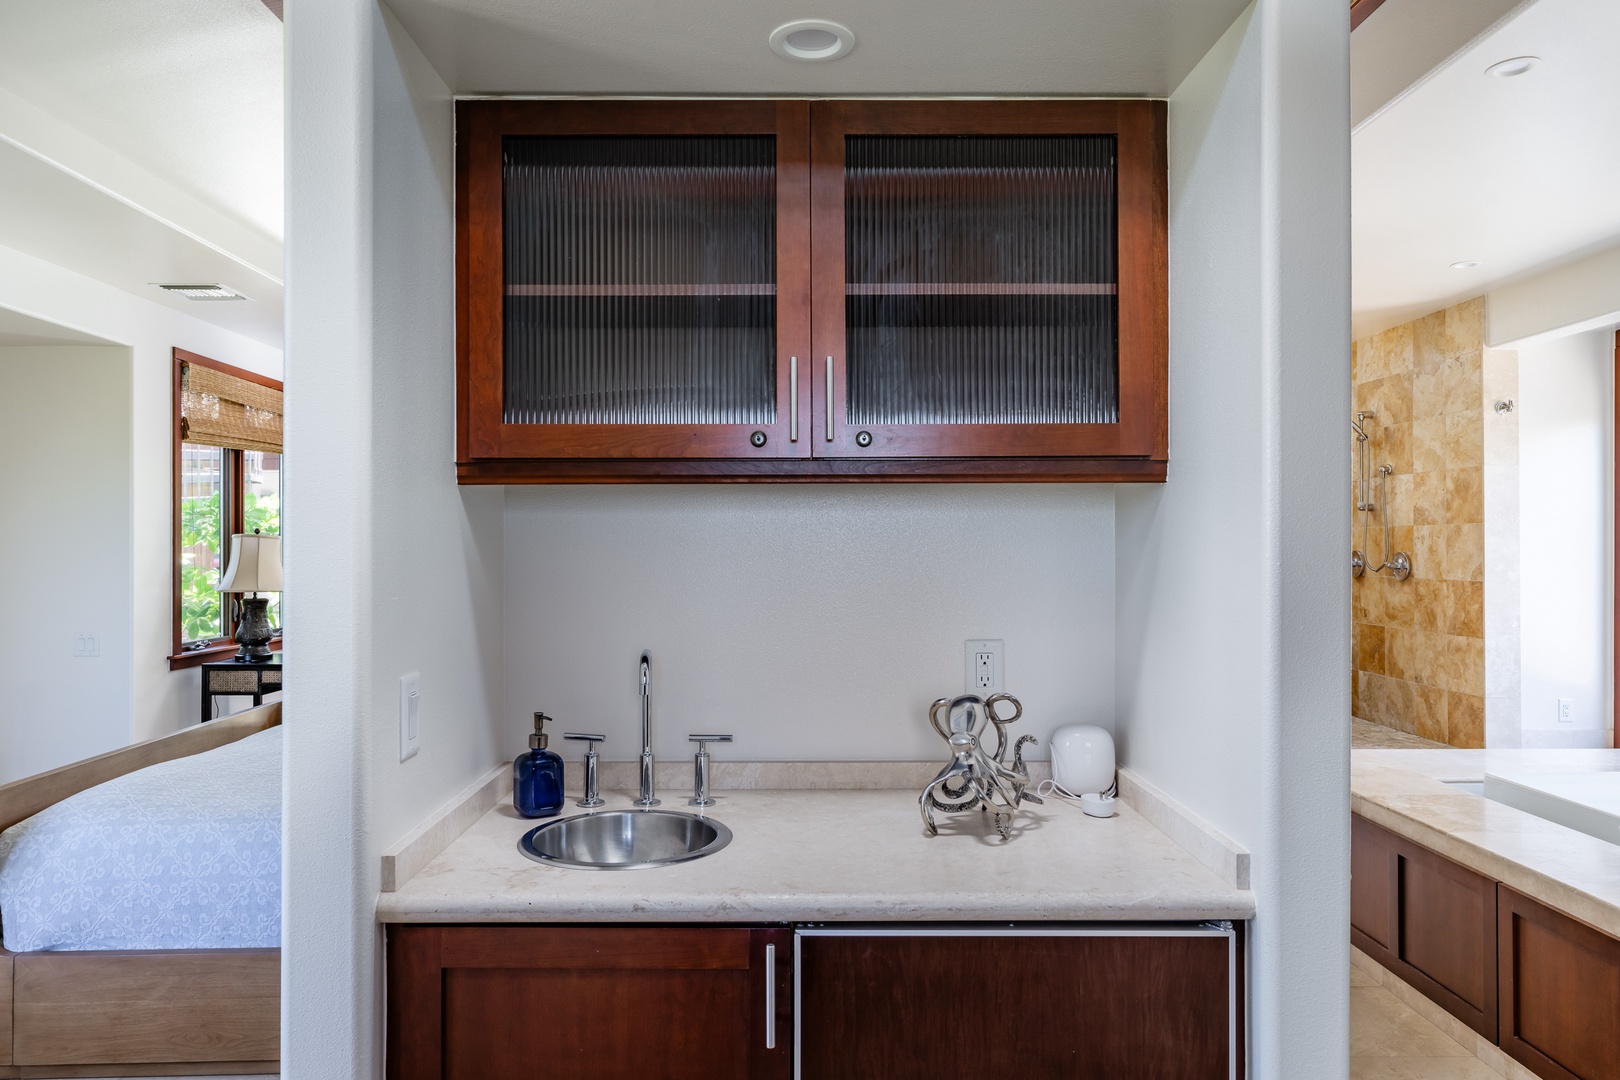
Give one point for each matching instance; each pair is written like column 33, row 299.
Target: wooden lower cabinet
column 653, row 1003
column 1427, row 919
column 1543, row 986
column 712, row 1003
column 1560, row 992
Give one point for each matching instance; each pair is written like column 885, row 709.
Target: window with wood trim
column 227, row 479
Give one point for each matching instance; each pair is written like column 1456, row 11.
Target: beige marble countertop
column 815, row 855
column 1403, row 790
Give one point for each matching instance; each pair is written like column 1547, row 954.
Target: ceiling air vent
column 215, row 291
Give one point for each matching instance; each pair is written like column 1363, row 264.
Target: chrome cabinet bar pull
column 829, row 397
column 770, row 997
column 793, row 399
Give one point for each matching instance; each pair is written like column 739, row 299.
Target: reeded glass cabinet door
column 637, row 275
column 982, row 286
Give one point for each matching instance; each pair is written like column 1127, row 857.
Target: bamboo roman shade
column 217, row 409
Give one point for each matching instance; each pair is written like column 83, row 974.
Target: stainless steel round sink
column 624, row 839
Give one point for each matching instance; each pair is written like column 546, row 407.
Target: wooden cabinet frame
column 1568, row 974
column 1401, row 916
column 426, row 1042
column 1143, row 292
column 809, row 140
column 481, row 431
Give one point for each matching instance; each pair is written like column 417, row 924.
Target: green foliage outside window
column 200, row 602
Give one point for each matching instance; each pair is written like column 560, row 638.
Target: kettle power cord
column 1052, row 787
column 1100, row 804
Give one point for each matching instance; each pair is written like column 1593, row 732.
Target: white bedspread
column 181, row 855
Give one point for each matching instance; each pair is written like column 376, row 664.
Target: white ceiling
column 1403, row 40
column 19, row 329
column 1120, row 47
column 189, row 89
column 142, row 142
column 1520, row 174
column 57, row 218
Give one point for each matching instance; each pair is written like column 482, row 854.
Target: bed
column 141, row 917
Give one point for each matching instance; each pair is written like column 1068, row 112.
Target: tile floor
column 1398, row 1034
column 1390, row 1041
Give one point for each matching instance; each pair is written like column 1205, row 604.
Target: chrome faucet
column 646, row 800
column 700, row 769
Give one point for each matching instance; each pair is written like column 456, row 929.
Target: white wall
column 1566, row 501
column 813, row 623
column 1233, row 595
column 1503, row 683
column 158, row 700
column 1573, row 298
column 64, row 554
column 390, row 566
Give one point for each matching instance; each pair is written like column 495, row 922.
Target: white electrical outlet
column 410, row 715
column 1566, row 710
column 985, row 669
column 85, row 644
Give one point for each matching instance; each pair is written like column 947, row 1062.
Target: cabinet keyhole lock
column 863, row 439
column 757, row 438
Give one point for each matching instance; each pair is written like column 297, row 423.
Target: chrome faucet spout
column 646, row 798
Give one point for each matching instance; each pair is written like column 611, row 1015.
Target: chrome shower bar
column 1398, row 564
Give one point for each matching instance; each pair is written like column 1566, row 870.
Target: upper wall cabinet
column 850, row 290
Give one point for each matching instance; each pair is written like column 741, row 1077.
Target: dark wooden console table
column 239, row 678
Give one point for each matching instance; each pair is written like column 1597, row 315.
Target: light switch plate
column 85, row 644
column 410, row 715
column 984, row 667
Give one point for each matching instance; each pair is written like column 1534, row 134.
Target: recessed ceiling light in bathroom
column 1466, row 264
column 812, row 39
column 1516, row 65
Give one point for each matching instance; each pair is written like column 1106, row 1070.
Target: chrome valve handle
column 700, row 769
column 592, row 797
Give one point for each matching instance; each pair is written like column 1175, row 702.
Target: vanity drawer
column 1560, row 991
column 1427, row 919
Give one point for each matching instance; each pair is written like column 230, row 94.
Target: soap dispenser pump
column 537, row 777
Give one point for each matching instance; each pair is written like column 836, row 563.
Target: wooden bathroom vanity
column 1508, row 922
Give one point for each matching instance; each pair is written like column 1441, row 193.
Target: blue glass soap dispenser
column 537, row 777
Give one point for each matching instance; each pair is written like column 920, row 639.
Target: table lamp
column 255, row 567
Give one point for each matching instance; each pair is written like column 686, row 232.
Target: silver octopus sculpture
column 977, row 779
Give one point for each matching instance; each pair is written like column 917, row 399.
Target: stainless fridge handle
column 770, row 997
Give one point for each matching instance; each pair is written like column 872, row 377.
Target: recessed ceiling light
column 213, row 291
column 1517, row 65
column 1466, row 264
column 812, row 39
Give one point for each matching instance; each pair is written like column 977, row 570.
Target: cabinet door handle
column 793, row 399
column 770, row 997
column 829, row 397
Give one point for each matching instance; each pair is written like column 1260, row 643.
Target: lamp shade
column 255, row 564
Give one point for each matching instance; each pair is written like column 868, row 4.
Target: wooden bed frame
column 158, row 1012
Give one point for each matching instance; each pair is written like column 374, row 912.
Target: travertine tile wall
column 1418, row 647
